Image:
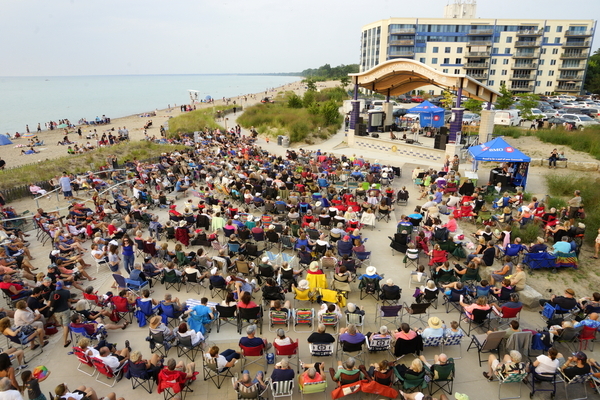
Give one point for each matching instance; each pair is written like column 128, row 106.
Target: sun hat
column 581, row 225
column 314, row 266
column 271, row 227
column 570, row 291
column 371, row 270
column 182, row 223
column 303, row 284
column 55, row 252
column 434, row 323
column 318, row 204
column 526, row 209
column 155, row 321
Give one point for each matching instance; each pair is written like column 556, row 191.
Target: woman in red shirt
column 246, row 301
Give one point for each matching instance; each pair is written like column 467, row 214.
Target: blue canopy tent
column 430, row 115
column 500, row 151
column 4, row 140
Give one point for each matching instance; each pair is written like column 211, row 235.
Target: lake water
column 29, row 100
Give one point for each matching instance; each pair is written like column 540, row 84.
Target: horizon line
column 207, row 74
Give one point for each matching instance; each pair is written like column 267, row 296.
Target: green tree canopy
column 592, row 79
column 506, row 100
column 326, row 72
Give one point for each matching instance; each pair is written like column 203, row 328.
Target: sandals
column 67, row 344
column 488, row 377
column 45, row 343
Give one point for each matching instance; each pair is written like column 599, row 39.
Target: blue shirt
column 590, row 323
column 437, row 197
column 562, row 247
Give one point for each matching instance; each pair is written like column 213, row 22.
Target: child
column 32, row 385
column 483, row 289
column 454, row 330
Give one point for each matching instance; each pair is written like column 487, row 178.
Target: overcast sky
column 112, row 37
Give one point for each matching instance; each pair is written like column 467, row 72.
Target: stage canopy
column 497, row 150
column 430, row 115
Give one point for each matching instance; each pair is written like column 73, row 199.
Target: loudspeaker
column 375, row 135
column 410, row 141
column 444, row 130
column 361, row 130
column 440, row 142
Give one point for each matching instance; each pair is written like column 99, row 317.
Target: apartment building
column 539, row 56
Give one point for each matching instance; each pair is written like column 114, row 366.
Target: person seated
column 114, row 359
column 282, row 371
column 454, row 330
column 390, row 291
column 547, row 364
column 500, row 274
column 538, row 246
column 16, row 289
column 248, row 382
column 438, row 359
column 566, row 302
column 352, row 308
column 277, row 305
column 271, row 291
column 481, row 303
column 227, row 359
column 590, row 304
column 22, row 334
column 404, row 332
column 320, row 336
column 349, row 369
column 184, row 331
column 157, row 326
column 250, row 340
column 176, row 372
column 178, row 308
column 435, row 328
column 382, row 334
column 245, row 301
column 351, row 335
column 576, row 365
column 415, row 371
column 313, row 373
column 503, row 293
column 511, row 364
column 563, row 246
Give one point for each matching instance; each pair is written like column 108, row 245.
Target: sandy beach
column 134, row 123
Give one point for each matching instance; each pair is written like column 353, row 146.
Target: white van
column 380, row 103
column 507, row 117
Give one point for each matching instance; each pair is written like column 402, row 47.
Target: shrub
column 586, row 140
column 294, row 101
column 509, row 131
column 528, row 232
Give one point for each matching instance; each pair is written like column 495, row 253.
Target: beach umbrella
column 62, row 126
column 28, row 135
column 207, row 98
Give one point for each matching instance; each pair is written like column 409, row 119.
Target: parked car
column 469, row 118
column 399, row 111
column 417, row 99
column 556, row 120
column 508, row 117
column 590, row 112
column 581, row 121
column 267, row 100
column 404, row 98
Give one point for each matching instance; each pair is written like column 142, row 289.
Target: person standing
column 59, row 304
column 27, row 128
column 574, row 205
column 39, row 128
column 65, row 185
column 455, row 163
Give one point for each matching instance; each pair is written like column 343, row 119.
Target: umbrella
column 62, row 126
column 207, row 98
column 28, row 135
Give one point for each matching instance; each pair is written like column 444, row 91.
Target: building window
column 509, row 39
column 544, row 40
column 457, row 71
column 445, row 70
column 491, row 83
column 557, row 40
column 542, row 61
column 505, row 61
column 538, row 83
column 446, row 61
column 422, row 60
column 547, row 28
column 558, row 29
column 459, row 50
column 458, row 61
column 543, row 51
column 554, row 51
column 447, row 50
column 552, row 62
column 507, row 50
column 493, row 72
column 539, row 72
column 549, row 83
column 504, row 72
column 434, row 60
column 495, row 50
column 436, row 49
column 494, row 60
column 502, row 83
column 550, row 73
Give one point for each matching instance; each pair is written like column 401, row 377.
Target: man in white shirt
column 7, row 392
column 114, row 360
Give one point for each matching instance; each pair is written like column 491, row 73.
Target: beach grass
column 93, row 160
column 315, row 115
column 586, row 140
column 196, row 120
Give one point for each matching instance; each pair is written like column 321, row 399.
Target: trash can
column 279, row 140
column 286, row 141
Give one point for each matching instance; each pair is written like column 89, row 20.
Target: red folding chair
column 84, row 359
column 588, row 334
column 254, row 355
column 106, row 371
column 438, row 256
column 289, row 350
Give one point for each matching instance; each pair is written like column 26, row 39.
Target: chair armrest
column 332, row 373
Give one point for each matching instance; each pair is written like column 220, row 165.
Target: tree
column 506, row 100
column 294, row 101
column 344, row 81
column 447, row 100
column 527, row 101
column 592, row 78
column 473, row 105
column 311, row 86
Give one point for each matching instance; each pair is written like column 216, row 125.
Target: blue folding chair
column 168, row 314
column 135, row 286
column 146, row 308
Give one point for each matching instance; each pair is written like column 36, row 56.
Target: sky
column 125, row 37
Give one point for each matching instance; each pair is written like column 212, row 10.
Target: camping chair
column 122, row 308
column 442, row 377
column 107, row 372
column 453, row 299
column 379, row 345
column 134, row 286
column 418, row 311
column 249, row 392
column 84, row 359
column 171, row 280
column 303, row 316
column 291, row 351
column 211, row 371
column 279, row 319
column 403, row 347
column 191, row 281
column 453, row 340
column 139, row 376
column 254, row 355
column 363, row 258
column 411, row 258
column 486, row 343
column 504, row 379
column 218, row 291
column 247, row 315
column 388, row 315
column 481, row 319
column 587, row 334
column 539, row 379
column 173, row 384
column 431, row 297
column 313, row 387
column 226, row 315
column 161, row 346
column 568, row 337
column 282, row 389
column 369, row 287
column 410, row 383
column 355, row 350
column 330, row 320
column 186, row 348
column 168, row 314
column 506, row 315
column 433, row 341
column 575, row 381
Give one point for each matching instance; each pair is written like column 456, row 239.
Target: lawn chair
column 330, row 320
column 84, row 360
column 291, row 351
column 313, row 387
column 537, row 380
column 411, row 383
column 211, row 371
column 442, row 377
column 192, row 282
column 226, row 315
column 186, row 348
column 418, row 311
column 250, row 316
column 486, row 343
column 122, row 308
column 282, row 389
column 249, row 392
column 504, row 379
column 279, row 319
column 453, row 340
column 379, row 345
column 134, row 286
column 139, row 376
column 388, row 315
column 171, row 280
column 159, row 345
column 481, row 319
column 107, row 372
column 355, row 350
column 254, row 355
column 168, row 314
column 369, row 287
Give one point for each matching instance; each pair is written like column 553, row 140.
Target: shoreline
column 133, row 122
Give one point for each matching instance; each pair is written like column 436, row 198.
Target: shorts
column 63, row 317
column 68, row 193
column 495, row 364
column 113, row 268
column 573, row 212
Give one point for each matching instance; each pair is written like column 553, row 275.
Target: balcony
column 585, row 43
column 409, row 42
column 521, row 77
column 403, row 31
column 527, row 43
column 481, row 32
column 569, row 77
column 574, row 56
column 479, row 43
column 570, row 33
column 405, row 54
column 477, row 65
column 479, row 76
column 534, row 54
column 524, row 66
column 530, row 32
column 474, row 54
column 568, row 88
column 522, row 88
column 571, row 67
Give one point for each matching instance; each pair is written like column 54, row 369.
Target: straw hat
column 155, row 321
column 313, row 267
column 303, row 284
column 182, row 224
column 434, row 323
column 371, row 270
